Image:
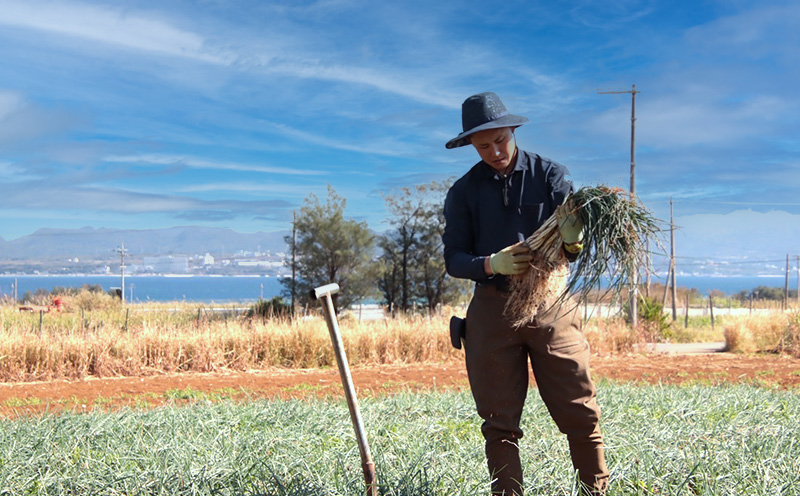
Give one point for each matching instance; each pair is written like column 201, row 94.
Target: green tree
column 390, row 278
column 331, row 249
column 398, row 245
column 412, row 264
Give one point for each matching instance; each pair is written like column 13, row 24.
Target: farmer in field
column 499, row 202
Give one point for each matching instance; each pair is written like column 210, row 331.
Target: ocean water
column 218, row 289
column 730, row 284
column 225, row 289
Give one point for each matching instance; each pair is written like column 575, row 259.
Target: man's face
column 497, row 147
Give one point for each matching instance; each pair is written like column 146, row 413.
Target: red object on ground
column 58, row 304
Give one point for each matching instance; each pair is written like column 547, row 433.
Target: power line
column 699, row 261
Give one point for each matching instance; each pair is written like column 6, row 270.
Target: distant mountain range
column 101, row 243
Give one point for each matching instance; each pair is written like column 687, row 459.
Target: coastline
column 251, row 287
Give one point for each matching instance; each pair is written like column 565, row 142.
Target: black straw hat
column 481, row 112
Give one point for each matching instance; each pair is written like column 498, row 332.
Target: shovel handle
column 324, row 293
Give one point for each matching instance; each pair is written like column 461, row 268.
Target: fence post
column 711, row 310
column 686, row 313
column 585, row 308
column 41, row 318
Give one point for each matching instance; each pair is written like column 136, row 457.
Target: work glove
column 571, row 226
column 511, row 260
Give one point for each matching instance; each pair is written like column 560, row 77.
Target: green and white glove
column 511, row 261
column 571, row 226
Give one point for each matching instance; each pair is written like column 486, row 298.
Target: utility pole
column 634, row 269
column 786, row 286
column 122, row 252
column 672, row 263
column 294, row 260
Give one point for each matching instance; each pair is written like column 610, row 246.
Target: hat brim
column 509, row 120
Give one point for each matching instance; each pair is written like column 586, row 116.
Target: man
column 501, row 201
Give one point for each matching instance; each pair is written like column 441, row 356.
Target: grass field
column 676, row 440
column 106, row 339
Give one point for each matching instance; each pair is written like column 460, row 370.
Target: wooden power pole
column 786, row 286
column 634, row 265
column 122, row 252
column 294, row 262
column 672, row 263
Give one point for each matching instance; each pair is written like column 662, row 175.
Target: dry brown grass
column 774, row 332
column 611, row 335
column 139, row 341
column 107, row 339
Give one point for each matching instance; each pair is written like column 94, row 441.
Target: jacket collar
column 523, row 163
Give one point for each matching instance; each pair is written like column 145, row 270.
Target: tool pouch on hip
column 458, row 331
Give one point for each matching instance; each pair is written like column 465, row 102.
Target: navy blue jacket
column 485, row 212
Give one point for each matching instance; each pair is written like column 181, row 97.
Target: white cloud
column 385, row 80
column 21, row 121
column 690, row 119
column 738, row 233
column 195, row 163
column 10, row 102
column 147, row 33
column 610, row 14
column 46, row 197
column 386, row 146
column 109, row 26
column 755, row 32
column 254, row 187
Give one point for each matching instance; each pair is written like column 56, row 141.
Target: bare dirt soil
column 113, row 392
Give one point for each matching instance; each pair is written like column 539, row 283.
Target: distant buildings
column 166, row 265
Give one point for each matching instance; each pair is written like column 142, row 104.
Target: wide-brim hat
column 481, row 112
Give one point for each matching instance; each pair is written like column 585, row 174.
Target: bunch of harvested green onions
column 615, row 235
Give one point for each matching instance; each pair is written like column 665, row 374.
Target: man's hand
column 511, row 261
column 571, row 226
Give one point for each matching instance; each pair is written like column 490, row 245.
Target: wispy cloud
column 195, row 163
column 283, row 189
column 129, row 202
column 610, row 14
column 108, row 26
column 150, row 33
column 21, row 121
column 687, row 120
column 208, row 110
column 754, row 32
column 384, row 146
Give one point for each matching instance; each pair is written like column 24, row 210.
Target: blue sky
column 135, row 114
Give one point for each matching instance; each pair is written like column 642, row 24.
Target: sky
column 150, row 114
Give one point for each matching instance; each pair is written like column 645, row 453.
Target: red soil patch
column 112, row 392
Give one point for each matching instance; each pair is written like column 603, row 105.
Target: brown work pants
column 497, row 365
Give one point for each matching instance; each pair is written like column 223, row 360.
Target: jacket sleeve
column 458, row 238
column 559, row 183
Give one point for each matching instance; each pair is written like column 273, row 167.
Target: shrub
column 756, row 333
column 89, row 299
column 653, row 323
column 790, row 342
column 268, row 309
